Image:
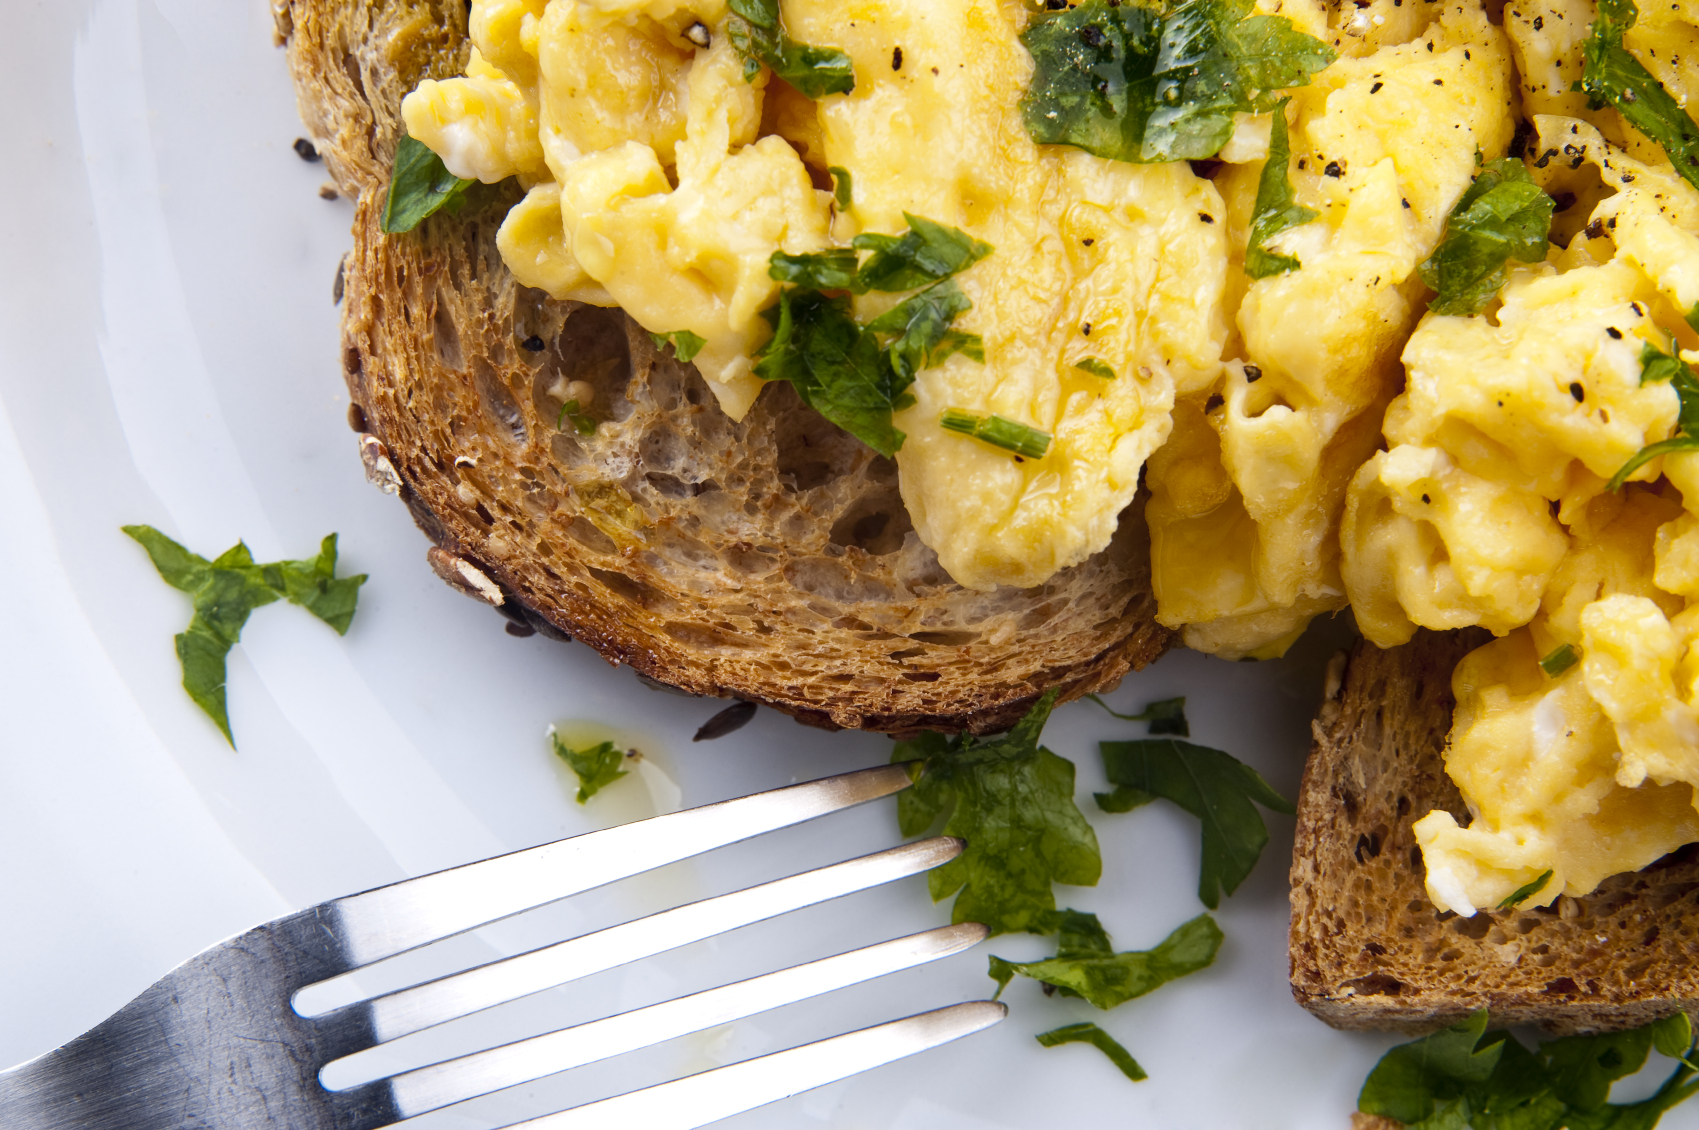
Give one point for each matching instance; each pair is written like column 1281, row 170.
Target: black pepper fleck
column 305, row 150
column 1253, row 374
column 1086, row 329
column 1206, row 217
column 1539, row 22
column 1214, row 402
column 534, row 343
column 1375, row 89
column 1616, row 334
column 1333, row 169
column 896, row 58
column 1427, row 500
column 1577, row 391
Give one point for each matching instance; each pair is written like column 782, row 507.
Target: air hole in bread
column 907, row 653
column 695, row 635
column 876, row 523
column 1474, row 928
column 498, row 402
column 922, row 676
column 585, row 533
column 1038, row 617
column 821, row 576
column 445, row 335
column 812, row 451
column 639, row 594
column 1375, row 985
column 945, row 639
column 1562, row 985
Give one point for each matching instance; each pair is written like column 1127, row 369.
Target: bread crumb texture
column 1368, row 948
column 769, row 558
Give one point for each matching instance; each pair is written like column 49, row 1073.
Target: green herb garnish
column 1502, row 216
column 1221, row 791
column 686, row 345
column 848, row 372
column 1088, row 1033
column 226, row 590
column 1165, row 717
column 1525, row 892
column 1657, row 365
column 1276, row 207
column 998, row 431
column 1086, row 964
column 1012, row 800
column 581, row 423
column 759, row 37
column 419, row 186
column 596, row 767
column 1612, row 76
column 843, row 187
column 1466, row 1076
column 1095, row 367
column 1142, row 83
column 1561, row 659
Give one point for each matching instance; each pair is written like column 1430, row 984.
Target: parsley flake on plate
column 1012, row 801
column 1159, row 82
column 1088, row 1033
column 226, row 591
column 1217, row 788
column 596, row 767
column 1465, row 1076
column 1503, row 215
column 1087, row 966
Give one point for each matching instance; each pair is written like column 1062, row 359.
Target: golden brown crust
column 1369, row 950
column 769, row 559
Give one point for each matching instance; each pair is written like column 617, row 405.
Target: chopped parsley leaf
column 759, row 36
column 843, row 187
column 1095, row 367
column 1012, row 801
column 1503, row 215
column 1159, row 82
column 1088, row 1033
column 1216, row 788
column 1467, row 1076
column 1167, row 716
column 1276, row 207
column 225, row 591
column 686, row 345
column 582, row 423
column 1086, row 964
column 596, row 767
column 419, row 186
column 1612, row 76
column 1657, row 365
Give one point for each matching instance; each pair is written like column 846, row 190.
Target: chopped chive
column 998, row 431
column 1560, row 660
column 1523, row 893
column 843, row 190
column 1095, row 367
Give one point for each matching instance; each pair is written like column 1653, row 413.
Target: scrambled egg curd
column 1575, row 741
column 663, row 181
column 1313, row 436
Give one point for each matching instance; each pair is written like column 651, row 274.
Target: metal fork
column 220, row 1043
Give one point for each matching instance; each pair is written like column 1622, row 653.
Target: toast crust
column 769, row 559
column 1369, row 950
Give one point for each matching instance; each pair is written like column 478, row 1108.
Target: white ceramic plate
column 168, row 356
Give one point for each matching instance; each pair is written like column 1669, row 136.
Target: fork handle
column 193, row 1051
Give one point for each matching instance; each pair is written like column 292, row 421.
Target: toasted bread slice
column 1369, row 950
column 769, row 559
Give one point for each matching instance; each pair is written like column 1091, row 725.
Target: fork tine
column 697, row 1100
column 455, row 1080
column 390, row 920
column 421, row 1006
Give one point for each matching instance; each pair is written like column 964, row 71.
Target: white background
column 168, row 356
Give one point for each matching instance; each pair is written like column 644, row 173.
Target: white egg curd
column 1335, row 333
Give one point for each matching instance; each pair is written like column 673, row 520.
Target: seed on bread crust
column 380, row 472
column 463, row 576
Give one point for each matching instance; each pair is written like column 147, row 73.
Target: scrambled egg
column 1490, row 507
column 1312, row 437
column 1245, row 548
column 659, row 179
